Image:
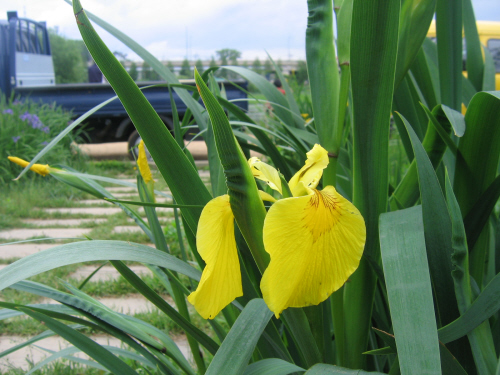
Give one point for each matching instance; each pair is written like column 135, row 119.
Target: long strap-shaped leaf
column 438, row 233
column 90, row 251
column 480, row 339
column 323, row 73
column 246, row 203
column 449, row 45
column 94, row 350
column 477, row 168
column 180, row 175
column 373, row 63
column 237, row 348
column 408, row 283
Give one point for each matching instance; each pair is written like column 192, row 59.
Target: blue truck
column 27, row 71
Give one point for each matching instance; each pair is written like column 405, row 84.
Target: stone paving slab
column 106, row 272
column 24, row 234
column 55, row 343
column 126, row 195
column 94, row 201
column 121, row 189
column 163, row 220
column 22, row 250
column 127, row 229
column 131, row 197
column 85, row 210
column 130, row 305
column 63, row 222
column 159, row 209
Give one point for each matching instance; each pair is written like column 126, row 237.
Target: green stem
column 358, row 307
column 337, row 302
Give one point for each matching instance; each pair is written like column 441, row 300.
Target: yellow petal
column 315, row 242
column 266, row 173
column 311, row 172
column 38, row 168
column 220, row 282
column 142, row 162
column 266, row 197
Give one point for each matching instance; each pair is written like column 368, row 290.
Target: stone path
column 98, row 213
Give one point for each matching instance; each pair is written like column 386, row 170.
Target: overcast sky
column 172, row 29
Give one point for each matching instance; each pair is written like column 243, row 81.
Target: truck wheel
column 133, row 143
column 134, row 139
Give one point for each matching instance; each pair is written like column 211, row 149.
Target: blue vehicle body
column 26, row 71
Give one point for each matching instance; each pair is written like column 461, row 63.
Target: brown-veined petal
column 315, row 242
column 311, row 172
column 220, row 282
column 266, row 173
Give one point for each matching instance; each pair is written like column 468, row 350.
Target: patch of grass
column 112, row 168
column 60, row 367
column 50, row 278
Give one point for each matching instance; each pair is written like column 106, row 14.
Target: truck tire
column 134, row 139
column 133, row 142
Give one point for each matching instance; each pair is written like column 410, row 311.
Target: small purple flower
column 34, row 120
column 44, row 143
column 17, row 102
column 16, row 138
column 8, row 111
column 25, row 116
column 45, row 129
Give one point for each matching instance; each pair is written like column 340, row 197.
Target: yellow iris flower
column 315, row 240
column 145, row 171
column 41, row 169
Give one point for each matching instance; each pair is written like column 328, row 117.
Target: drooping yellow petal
column 266, row 173
column 220, row 282
column 142, row 162
column 266, row 197
column 311, row 172
column 315, row 242
column 38, row 168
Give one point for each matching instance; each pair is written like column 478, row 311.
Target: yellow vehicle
column 489, row 36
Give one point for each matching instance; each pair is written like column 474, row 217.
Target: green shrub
column 26, row 128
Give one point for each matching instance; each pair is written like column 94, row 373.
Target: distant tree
column 268, row 67
column 70, row 65
column 301, row 72
column 186, row 69
column 213, row 63
column 133, row 72
column 280, row 65
column 199, row 66
column 170, row 66
column 145, row 71
column 257, row 66
column 245, row 64
column 228, row 55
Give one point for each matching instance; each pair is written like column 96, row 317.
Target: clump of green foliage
column 27, row 127
column 69, row 57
